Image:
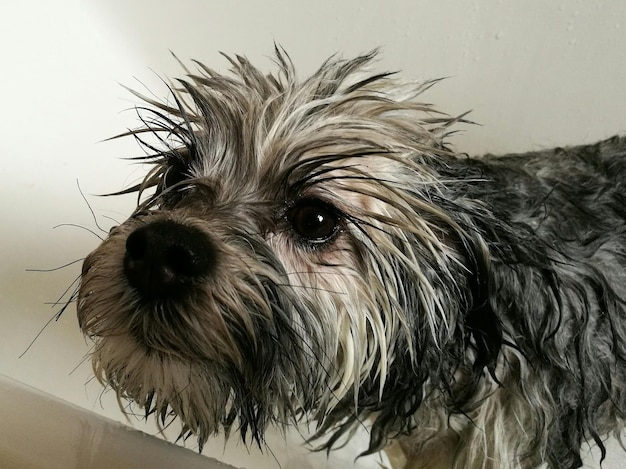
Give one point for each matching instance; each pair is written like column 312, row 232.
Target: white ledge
column 41, row 431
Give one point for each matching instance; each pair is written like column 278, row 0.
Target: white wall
column 535, row 73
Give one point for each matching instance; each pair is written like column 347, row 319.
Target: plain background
column 534, row 73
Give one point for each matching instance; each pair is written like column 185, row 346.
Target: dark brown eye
column 313, row 220
column 174, row 174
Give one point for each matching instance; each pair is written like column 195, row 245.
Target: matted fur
column 472, row 309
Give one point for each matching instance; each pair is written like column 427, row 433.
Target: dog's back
column 568, row 196
column 555, row 225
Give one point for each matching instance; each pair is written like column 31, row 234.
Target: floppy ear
column 481, row 325
column 443, row 319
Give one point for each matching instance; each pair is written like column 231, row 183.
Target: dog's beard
column 334, row 328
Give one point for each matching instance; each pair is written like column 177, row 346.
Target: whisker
column 54, row 269
column 54, row 317
column 93, row 214
column 74, row 225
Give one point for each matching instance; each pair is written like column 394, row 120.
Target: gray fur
column 472, row 309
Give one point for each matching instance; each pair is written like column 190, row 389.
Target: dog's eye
column 176, row 166
column 174, row 174
column 313, row 220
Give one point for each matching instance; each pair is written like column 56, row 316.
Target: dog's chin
column 202, row 396
column 127, row 364
column 163, row 383
column 161, row 345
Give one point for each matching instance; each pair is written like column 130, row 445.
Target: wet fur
column 471, row 309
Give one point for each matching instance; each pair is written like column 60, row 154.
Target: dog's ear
column 481, row 325
column 468, row 340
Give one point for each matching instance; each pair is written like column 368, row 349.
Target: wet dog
column 315, row 250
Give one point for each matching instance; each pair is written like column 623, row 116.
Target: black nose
column 164, row 258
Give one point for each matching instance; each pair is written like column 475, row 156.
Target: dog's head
column 298, row 254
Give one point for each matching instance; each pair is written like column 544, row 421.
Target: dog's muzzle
column 165, row 258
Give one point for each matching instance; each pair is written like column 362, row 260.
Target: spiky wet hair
column 406, row 305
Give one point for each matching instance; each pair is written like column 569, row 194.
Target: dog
column 315, row 250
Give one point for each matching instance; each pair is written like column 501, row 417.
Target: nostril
column 166, row 257
column 136, row 244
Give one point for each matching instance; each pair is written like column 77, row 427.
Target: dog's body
column 313, row 250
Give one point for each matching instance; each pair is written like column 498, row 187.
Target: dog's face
column 295, row 258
